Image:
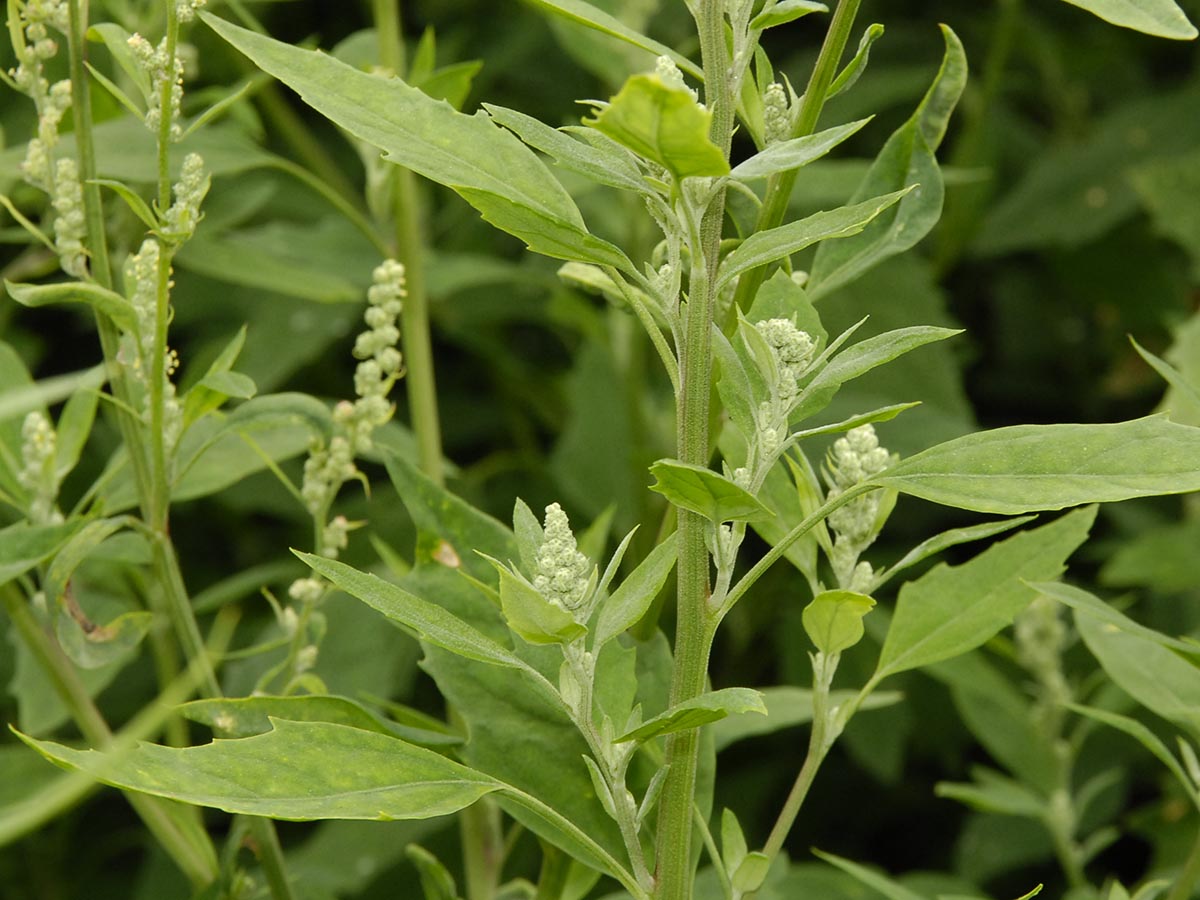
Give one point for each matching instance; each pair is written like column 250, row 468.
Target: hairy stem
column 694, row 623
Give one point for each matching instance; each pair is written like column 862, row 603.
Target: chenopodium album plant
column 590, row 738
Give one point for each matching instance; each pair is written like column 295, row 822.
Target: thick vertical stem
column 693, row 630
column 779, row 187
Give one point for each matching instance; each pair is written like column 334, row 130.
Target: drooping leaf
column 103, row 301
column 906, row 161
column 1143, row 736
column 992, row 792
column 469, row 154
column 586, row 14
column 1025, row 468
column 430, row 621
column 1085, row 601
column 1158, row 678
column 950, row 610
column 708, row 707
column 332, row 772
column 663, row 124
column 436, row 881
column 951, row 538
column 767, row 246
column 705, row 492
column 1161, row 18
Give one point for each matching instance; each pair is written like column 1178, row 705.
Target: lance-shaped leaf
column 705, row 492
column 296, row 771
column 629, row 602
column 593, row 17
column 767, row 246
column 710, row 707
column 1026, row 468
column 469, row 154
column 430, row 621
column 1085, row 601
column 906, row 160
column 786, row 11
column 952, row 609
column 786, row 155
column 1161, row 18
column 1158, row 678
column 23, row 546
column 663, row 124
column 1143, row 736
column 105, row 302
column 246, row 716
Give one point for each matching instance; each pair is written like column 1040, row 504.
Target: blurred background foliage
column 1072, row 221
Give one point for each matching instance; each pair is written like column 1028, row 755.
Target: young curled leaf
column 663, row 124
column 834, row 620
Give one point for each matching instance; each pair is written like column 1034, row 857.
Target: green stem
column 410, row 250
column 552, row 878
column 779, row 187
column 820, row 740
column 187, row 846
column 694, row 622
column 1188, row 878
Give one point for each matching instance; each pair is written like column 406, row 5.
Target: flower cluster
column 668, row 72
column 853, row 459
column 562, row 575
column 184, row 214
column 792, row 348
column 777, row 116
column 186, row 10
column 39, row 446
column 70, row 226
column 141, row 284
column 163, row 68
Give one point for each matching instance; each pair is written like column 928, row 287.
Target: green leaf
column 663, row 124
column 786, row 11
column 767, row 246
column 592, row 17
column 1087, row 602
column 532, row 616
column 947, row 539
column 92, row 646
column 628, row 603
column 788, row 707
column 853, row 70
column 860, row 358
column 23, row 546
column 1143, row 736
column 1158, row 678
column 833, row 620
column 469, row 154
column 1025, row 468
column 708, row 707
column 74, row 426
column 784, row 156
column 615, row 169
column 1161, row 18
column 76, row 550
column 436, row 881
column 1169, row 373
column 995, row 793
column 1163, row 558
column 105, row 302
column 752, row 872
column 331, row 772
column 733, row 841
column 906, row 161
column 450, row 529
column 548, row 235
column 952, row 609
column 705, row 492
column 247, row 716
column 884, row 885
column 430, row 621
